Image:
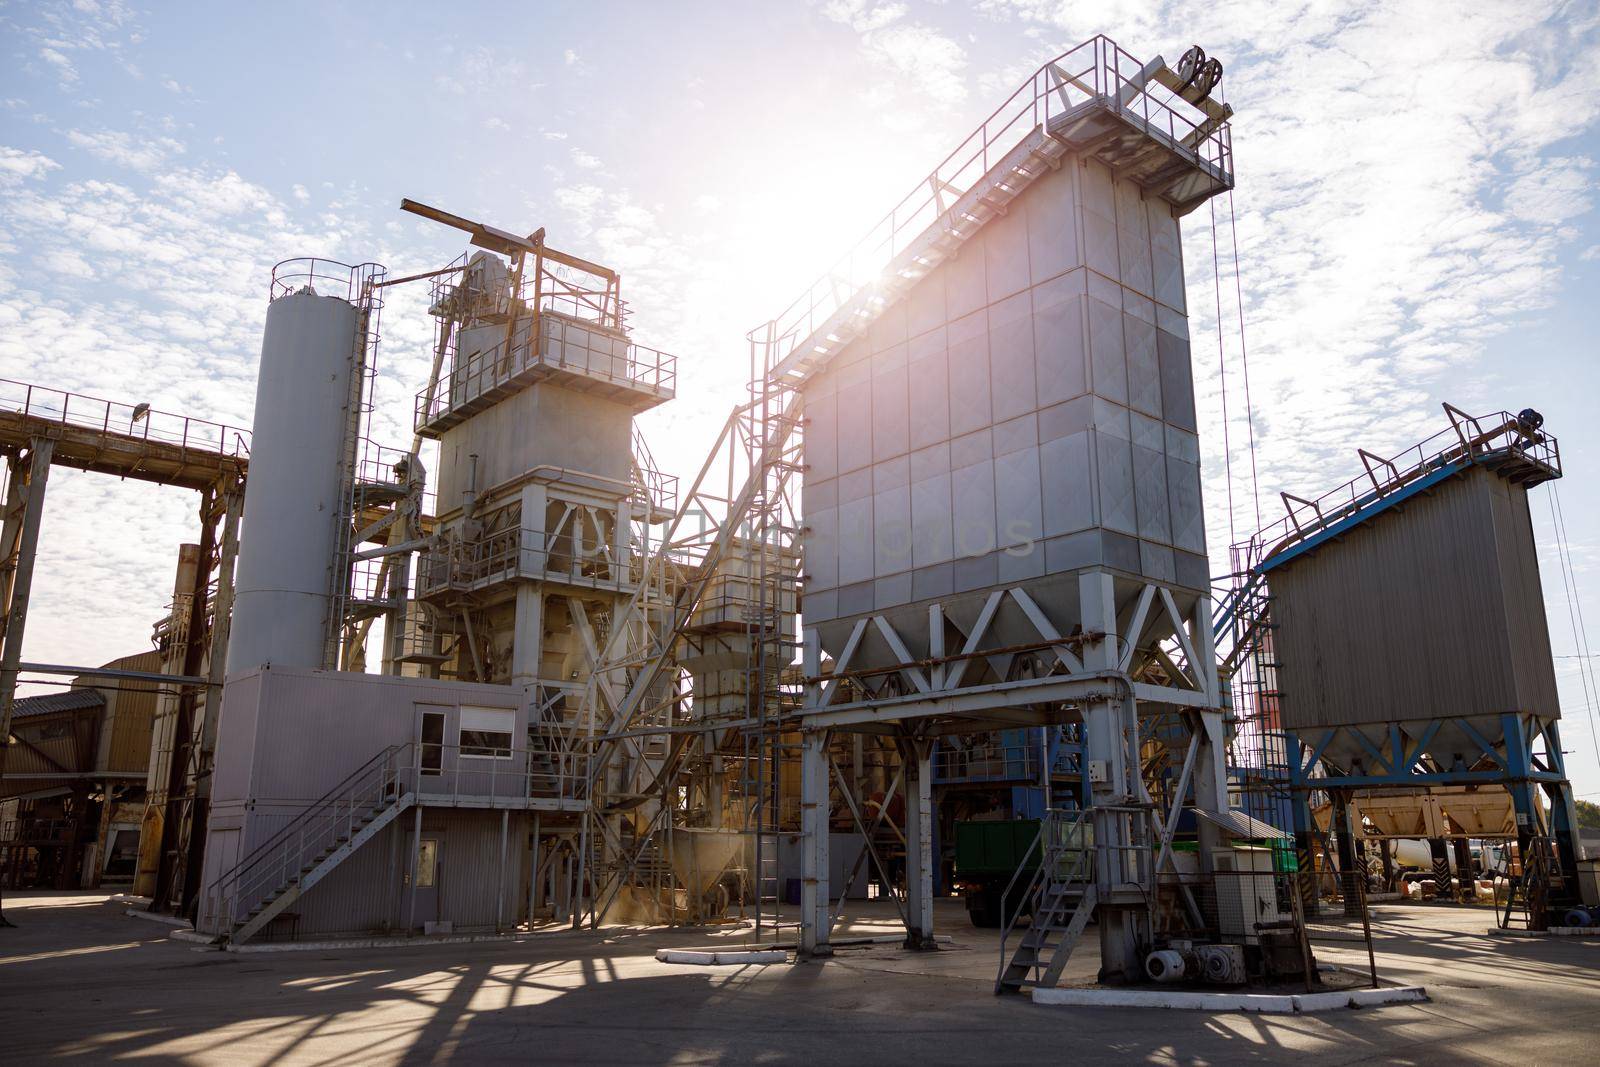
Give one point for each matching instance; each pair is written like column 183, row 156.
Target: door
column 430, row 746
column 426, row 907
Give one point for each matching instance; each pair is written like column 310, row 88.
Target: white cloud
column 554, row 135
column 569, row 57
column 62, row 31
column 1554, row 191
column 17, row 165
column 583, row 159
column 495, row 122
column 62, row 65
column 861, row 16
column 1389, row 226
column 922, row 56
column 66, row 261
column 907, row 53
column 124, row 149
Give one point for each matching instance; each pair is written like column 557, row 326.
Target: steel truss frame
column 1151, row 663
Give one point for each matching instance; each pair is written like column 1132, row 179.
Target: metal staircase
column 1532, row 893
column 1061, row 896
column 278, row 872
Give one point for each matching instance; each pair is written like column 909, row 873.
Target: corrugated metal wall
column 288, row 736
column 1430, row 610
column 368, row 892
column 130, row 714
column 1026, row 410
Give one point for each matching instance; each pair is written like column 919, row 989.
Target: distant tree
column 1588, row 815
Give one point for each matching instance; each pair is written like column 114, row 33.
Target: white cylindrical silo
column 292, row 496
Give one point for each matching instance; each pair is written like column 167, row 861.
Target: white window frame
column 487, row 720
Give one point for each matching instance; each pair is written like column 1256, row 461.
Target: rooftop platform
column 1095, row 101
column 1513, row 446
column 549, row 346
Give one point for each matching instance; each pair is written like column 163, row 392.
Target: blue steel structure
column 1015, row 760
column 1521, row 753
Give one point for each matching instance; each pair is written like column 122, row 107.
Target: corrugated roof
column 1239, row 824
column 51, row 703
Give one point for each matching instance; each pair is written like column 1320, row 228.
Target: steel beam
column 19, row 545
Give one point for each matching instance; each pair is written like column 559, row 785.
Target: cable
column 1244, row 361
column 1222, row 370
column 1580, row 634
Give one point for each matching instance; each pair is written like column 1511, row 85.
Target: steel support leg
column 1464, row 873
column 19, row 545
column 919, row 845
column 1350, row 872
column 1106, row 748
column 815, row 926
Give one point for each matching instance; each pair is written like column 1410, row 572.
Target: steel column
column 918, row 755
column 1106, row 748
column 815, row 926
column 19, row 545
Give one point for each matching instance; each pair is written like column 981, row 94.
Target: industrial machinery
column 1427, row 557
column 949, row 550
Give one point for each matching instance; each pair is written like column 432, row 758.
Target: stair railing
column 1060, row 833
column 328, row 821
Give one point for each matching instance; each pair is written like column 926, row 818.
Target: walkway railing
column 555, row 342
column 1096, row 72
column 1469, row 439
column 481, row 775
column 124, row 420
column 1065, row 846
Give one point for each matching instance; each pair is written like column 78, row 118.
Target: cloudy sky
column 1414, row 217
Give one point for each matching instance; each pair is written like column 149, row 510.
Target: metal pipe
column 416, row 857
column 107, row 672
column 416, row 545
column 500, row 888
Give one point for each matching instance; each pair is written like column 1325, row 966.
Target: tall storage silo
column 1026, row 412
column 290, row 530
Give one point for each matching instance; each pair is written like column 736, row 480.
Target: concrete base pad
column 1267, row 1003
column 1554, row 931
column 377, row 942
column 725, row 958
column 164, row 920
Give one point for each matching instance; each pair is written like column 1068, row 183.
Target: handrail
column 313, row 810
column 1450, row 448
column 1096, row 71
column 636, row 366
column 1052, row 849
column 125, row 420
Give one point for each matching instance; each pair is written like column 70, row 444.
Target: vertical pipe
column 533, row 873
column 581, row 872
column 500, row 877
column 416, row 857
column 391, row 900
